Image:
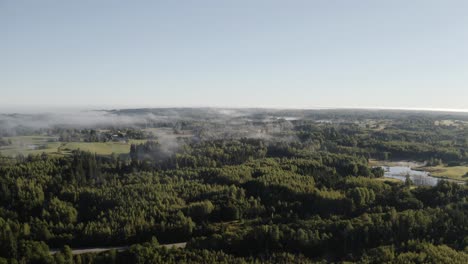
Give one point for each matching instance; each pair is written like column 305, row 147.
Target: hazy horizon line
column 11, row 109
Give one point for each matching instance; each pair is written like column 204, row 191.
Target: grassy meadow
column 26, row 145
column 454, row 172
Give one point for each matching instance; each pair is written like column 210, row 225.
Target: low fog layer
column 149, row 117
column 122, row 118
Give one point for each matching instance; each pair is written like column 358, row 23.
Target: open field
column 455, row 172
column 384, row 179
column 26, row 145
column 101, row 148
column 39, row 144
column 30, row 145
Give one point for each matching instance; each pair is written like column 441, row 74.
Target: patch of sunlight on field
column 102, row 148
column 455, row 172
column 384, row 179
column 26, row 145
column 35, row 145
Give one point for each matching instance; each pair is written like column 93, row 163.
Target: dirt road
column 102, row 249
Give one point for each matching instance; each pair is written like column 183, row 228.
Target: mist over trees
column 241, row 186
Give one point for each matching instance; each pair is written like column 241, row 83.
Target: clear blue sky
column 239, row 53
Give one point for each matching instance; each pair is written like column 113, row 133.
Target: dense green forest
column 249, row 187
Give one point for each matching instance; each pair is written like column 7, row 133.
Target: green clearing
column 26, row 145
column 101, row 148
column 34, row 145
column 455, row 172
column 383, row 179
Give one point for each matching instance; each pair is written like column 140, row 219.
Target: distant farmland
column 26, row 145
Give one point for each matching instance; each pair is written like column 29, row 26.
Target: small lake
column 419, row 178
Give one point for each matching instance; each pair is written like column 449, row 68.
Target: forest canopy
column 257, row 186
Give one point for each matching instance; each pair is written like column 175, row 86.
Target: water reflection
column 420, row 178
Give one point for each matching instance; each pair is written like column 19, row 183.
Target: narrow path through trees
column 103, row 249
